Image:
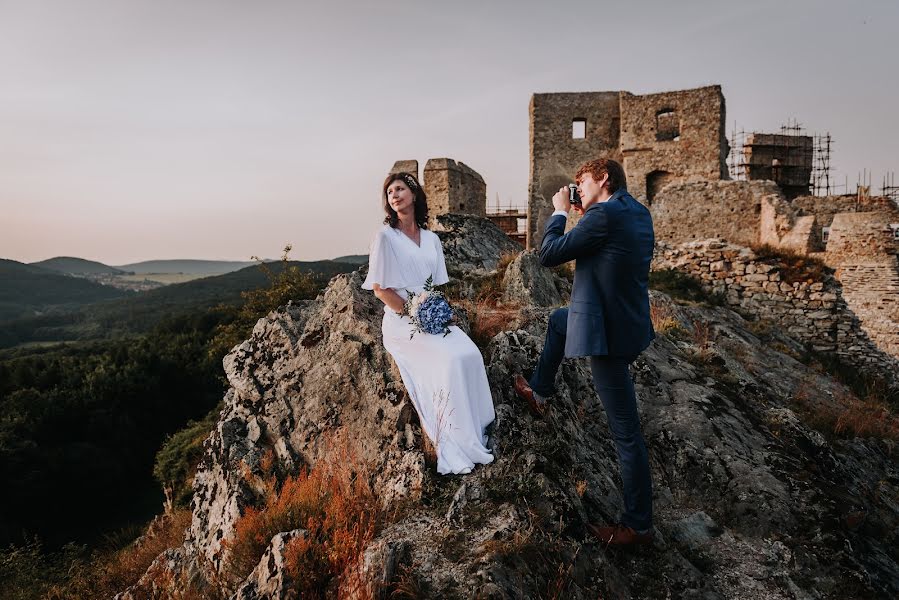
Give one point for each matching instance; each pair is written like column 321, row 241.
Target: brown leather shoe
column 537, row 406
column 619, row 535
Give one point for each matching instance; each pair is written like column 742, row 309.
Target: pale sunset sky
column 219, row 129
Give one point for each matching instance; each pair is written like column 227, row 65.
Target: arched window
column 667, row 125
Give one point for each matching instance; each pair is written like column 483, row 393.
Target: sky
column 222, row 129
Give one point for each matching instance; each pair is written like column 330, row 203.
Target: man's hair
column 601, row 167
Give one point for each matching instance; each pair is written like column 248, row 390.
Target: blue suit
column 608, row 320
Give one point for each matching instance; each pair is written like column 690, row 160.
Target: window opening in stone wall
column 825, row 234
column 667, row 126
column 895, row 228
column 461, row 206
column 655, row 181
column 579, row 129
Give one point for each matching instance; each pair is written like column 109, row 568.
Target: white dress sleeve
column 441, row 276
column 383, row 265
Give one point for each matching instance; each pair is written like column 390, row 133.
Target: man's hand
column 560, row 200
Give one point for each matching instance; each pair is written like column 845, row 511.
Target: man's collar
column 615, row 196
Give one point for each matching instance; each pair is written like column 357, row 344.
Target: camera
column 573, row 196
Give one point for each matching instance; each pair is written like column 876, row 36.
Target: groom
column 608, row 320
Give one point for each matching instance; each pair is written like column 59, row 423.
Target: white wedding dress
column 444, row 376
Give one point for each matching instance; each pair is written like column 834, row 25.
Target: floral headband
column 409, row 181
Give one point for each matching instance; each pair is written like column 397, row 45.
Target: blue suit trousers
column 613, row 384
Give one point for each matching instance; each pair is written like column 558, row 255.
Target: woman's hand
column 389, row 297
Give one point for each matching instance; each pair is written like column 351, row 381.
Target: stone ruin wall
column 685, row 212
column 699, row 151
column 861, row 247
column 813, row 312
column 454, row 187
column 863, row 251
column 626, row 128
column 556, row 155
column 826, row 207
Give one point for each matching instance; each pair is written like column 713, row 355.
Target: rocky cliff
column 751, row 500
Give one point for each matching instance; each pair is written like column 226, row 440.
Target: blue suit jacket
column 612, row 245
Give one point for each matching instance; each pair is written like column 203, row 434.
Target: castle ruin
column 658, row 138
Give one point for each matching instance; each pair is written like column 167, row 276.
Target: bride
column 444, row 376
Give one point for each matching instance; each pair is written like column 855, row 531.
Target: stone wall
column 860, row 236
column 825, row 207
column 556, row 154
column 675, row 135
column 863, row 251
column 406, row 166
column 872, row 292
column 813, row 312
column 684, row 212
column 782, row 225
column 454, row 187
column 658, row 138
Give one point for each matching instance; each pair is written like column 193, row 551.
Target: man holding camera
column 607, row 320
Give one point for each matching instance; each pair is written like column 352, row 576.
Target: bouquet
column 430, row 311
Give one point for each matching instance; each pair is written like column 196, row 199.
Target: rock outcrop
column 751, row 501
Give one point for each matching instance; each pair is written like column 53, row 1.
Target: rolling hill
column 29, row 291
column 76, row 266
column 187, row 266
column 136, row 313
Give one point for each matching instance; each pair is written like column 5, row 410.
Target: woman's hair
column 420, row 200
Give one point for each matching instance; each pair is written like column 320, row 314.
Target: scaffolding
column 792, row 155
column 889, row 188
column 512, row 220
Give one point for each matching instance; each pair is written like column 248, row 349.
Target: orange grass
column 847, row 415
column 488, row 319
column 336, row 507
column 663, row 317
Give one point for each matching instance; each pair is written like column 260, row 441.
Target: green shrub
column 179, row 456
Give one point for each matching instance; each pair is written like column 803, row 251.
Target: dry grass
column 664, row 320
column 793, row 266
column 701, row 334
column 487, row 313
column 333, row 503
column 558, row 586
column 488, row 319
column 408, row 585
column 846, row 415
column 516, row 545
column 504, row 261
column 107, row 574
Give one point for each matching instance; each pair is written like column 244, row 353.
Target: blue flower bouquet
column 430, row 311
